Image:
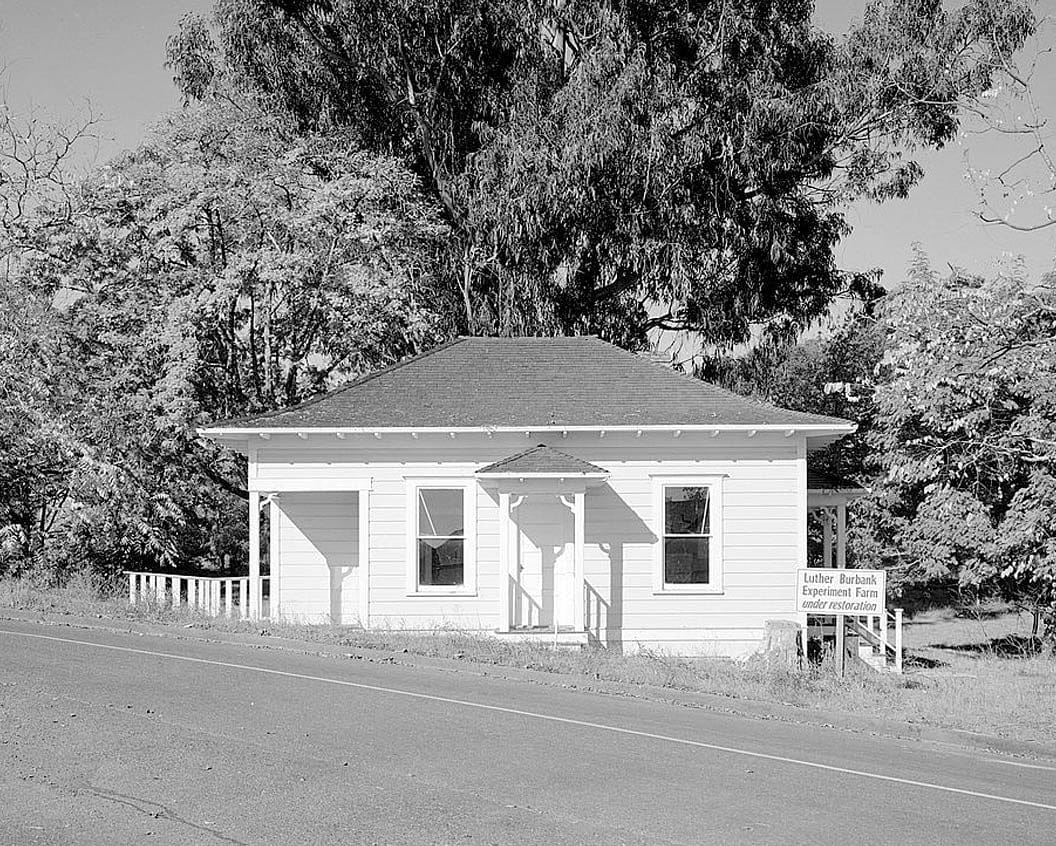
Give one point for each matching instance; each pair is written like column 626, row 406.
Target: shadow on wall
column 545, row 522
column 327, row 524
column 612, row 526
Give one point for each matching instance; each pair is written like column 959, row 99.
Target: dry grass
column 968, row 688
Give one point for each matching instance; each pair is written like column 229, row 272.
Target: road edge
column 757, row 709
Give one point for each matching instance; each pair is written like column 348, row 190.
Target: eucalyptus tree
column 616, row 167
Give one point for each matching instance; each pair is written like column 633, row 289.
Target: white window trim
column 468, row 486
column 715, row 561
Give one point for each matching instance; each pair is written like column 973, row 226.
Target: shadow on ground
column 923, row 662
column 1006, row 646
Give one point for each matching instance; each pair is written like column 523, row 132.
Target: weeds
column 982, row 691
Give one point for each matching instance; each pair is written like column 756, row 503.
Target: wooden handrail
column 879, row 637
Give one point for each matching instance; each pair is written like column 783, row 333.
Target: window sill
column 441, row 593
column 695, row 590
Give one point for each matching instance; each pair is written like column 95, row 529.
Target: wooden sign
column 828, row 591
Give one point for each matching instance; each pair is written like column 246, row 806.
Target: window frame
column 714, row 484
column 469, row 530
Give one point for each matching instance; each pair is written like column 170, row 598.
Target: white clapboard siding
column 318, row 557
column 761, row 521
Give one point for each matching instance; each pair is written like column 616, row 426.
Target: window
column 689, row 542
column 687, row 535
column 441, row 536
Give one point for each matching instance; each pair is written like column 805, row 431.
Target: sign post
column 840, row 593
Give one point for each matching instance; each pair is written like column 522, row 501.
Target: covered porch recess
column 542, row 506
column 324, row 525
column 324, row 573
column 878, row 639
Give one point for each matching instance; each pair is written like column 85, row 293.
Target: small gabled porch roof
column 542, row 462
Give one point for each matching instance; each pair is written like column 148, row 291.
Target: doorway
column 545, row 560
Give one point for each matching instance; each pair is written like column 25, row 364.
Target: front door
column 545, row 551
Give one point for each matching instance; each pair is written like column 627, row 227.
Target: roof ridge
column 340, row 389
column 530, row 338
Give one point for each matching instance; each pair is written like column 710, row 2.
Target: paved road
column 111, row 739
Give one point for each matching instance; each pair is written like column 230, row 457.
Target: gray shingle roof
column 540, row 460
column 527, row 382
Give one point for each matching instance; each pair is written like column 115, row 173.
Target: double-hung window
column 441, row 538
column 689, row 554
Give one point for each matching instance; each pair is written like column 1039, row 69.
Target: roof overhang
column 809, row 429
column 825, row 497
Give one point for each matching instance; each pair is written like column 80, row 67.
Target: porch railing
column 884, row 634
column 217, row 596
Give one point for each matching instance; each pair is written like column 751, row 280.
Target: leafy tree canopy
column 965, row 435
column 833, row 373
column 616, row 167
column 229, row 265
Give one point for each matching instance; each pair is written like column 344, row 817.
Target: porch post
column 841, row 535
column 578, row 580
column 254, row 554
column 274, row 514
column 802, row 559
column 841, row 562
column 363, row 528
column 826, row 535
column 504, row 562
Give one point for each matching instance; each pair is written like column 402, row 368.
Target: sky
column 61, row 55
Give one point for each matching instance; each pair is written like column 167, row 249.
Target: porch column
column 578, row 580
column 274, row 513
column 841, row 535
column 826, row 535
column 363, row 528
column 841, row 562
column 254, row 554
column 504, row 562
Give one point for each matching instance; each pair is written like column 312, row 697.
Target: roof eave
column 809, row 429
column 847, row 493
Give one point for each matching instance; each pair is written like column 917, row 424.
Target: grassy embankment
column 962, row 673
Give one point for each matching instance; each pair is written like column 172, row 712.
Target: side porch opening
column 307, row 560
column 874, row 640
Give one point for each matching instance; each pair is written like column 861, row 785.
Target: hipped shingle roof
column 527, row 382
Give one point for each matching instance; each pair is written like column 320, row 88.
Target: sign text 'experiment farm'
column 825, row 591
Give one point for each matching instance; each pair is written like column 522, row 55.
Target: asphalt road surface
column 112, row 739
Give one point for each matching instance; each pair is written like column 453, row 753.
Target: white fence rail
column 218, row 596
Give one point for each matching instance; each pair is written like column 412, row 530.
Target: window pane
column 686, row 561
column 440, row 562
column 686, row 511
column 440, row 512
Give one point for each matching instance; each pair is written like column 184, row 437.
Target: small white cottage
column 535, row 487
